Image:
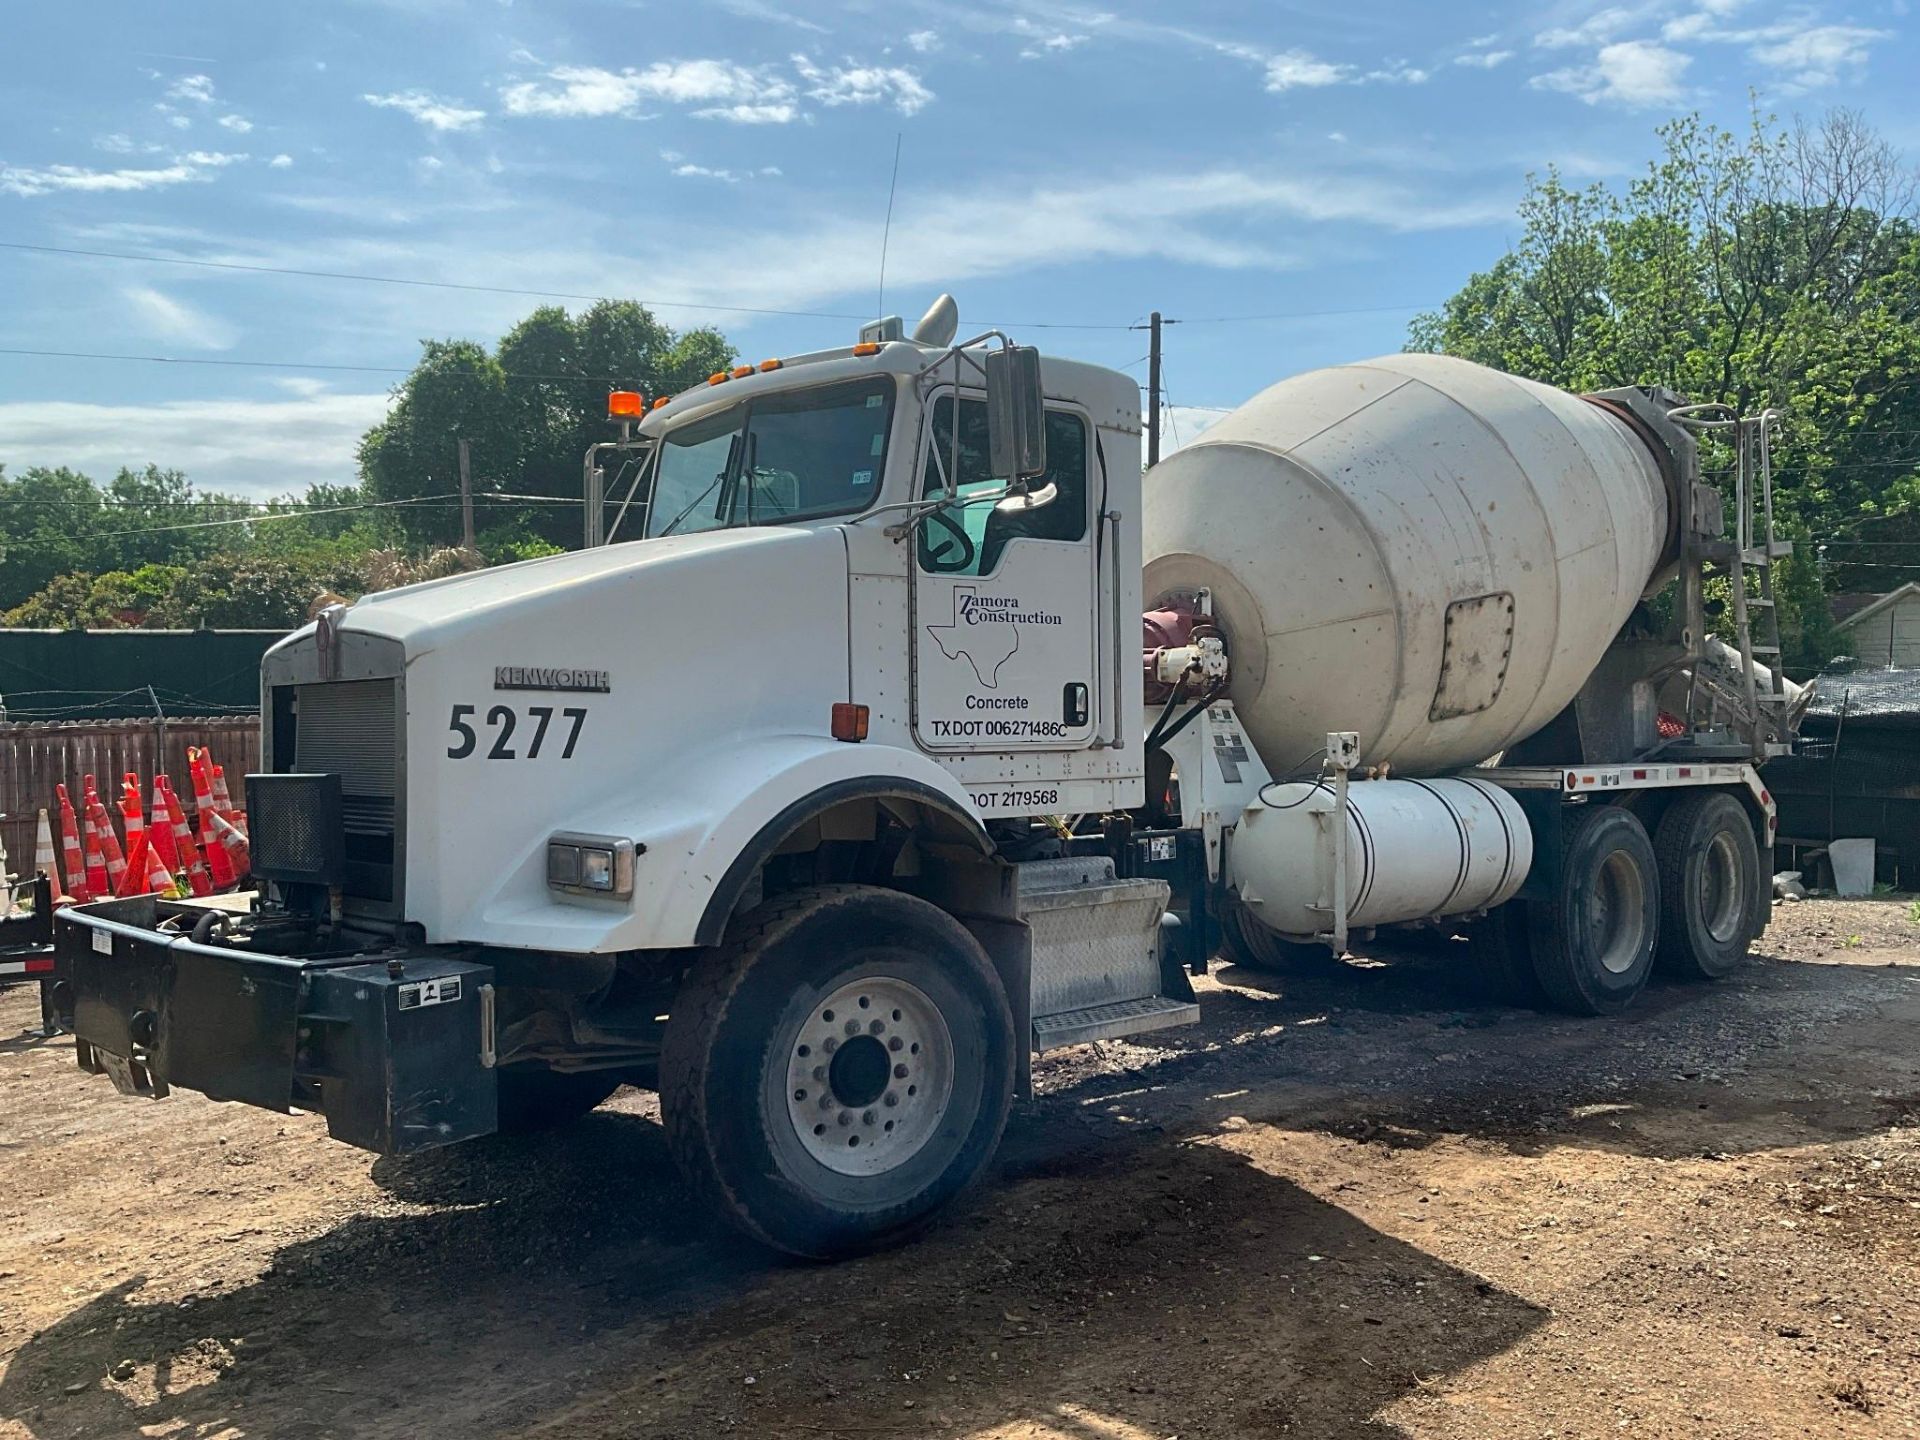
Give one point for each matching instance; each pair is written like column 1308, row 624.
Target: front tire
column 839, row 1070
column 1593, row 939
column 1709, row 875
column 1247, row 942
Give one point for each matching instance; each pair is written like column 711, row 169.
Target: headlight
column 590, row 865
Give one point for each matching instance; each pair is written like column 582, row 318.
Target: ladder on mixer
column 1753, row 510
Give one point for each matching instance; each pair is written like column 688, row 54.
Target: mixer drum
column 1418, row 548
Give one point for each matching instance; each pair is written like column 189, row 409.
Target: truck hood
column 429, row 614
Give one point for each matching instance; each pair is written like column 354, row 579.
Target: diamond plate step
column 1108, row 1022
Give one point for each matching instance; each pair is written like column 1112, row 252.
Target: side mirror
column 1016, row 414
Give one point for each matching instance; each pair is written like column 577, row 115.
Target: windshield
column 803, row 454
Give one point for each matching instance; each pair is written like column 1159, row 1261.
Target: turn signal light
column 742, row 372
column 849, row 721
column 771, row 364
column 626, row 404
column 866, row 347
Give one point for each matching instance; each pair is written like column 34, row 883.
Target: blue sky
column 1066, row 164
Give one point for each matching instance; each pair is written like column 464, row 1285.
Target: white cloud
column 166, row 318
column 280, row 162
column 1296, row 69
column 197, row 88
column 689, row 170
column 588, row 91
column 28, row 182
column 1596, row 29
column 257, row 448
column 179, row 122
column 1818, row 55
column 1634, row 73
column 239, row 124
column 851, row 84
column 777, row 114
column 1399, row 72
column 716, row 89
column 1057, row 43
column 429, row 110
column 1484, row 59
column 924, row 42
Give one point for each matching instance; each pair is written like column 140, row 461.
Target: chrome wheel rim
column 1722, row 900
column 1618, row 917
column 869, row 1076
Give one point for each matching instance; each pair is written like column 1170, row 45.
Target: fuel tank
column 1418, row 548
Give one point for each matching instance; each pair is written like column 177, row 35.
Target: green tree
column 529, row 412
column 1777, row 268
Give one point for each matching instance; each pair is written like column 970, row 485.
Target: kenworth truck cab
column 739, row 807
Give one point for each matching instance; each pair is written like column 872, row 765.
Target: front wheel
column 1247, row 942
column 839, row 1070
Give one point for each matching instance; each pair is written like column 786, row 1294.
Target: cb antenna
column 886, row 234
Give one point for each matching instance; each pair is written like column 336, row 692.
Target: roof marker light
column 766, row 365
column 866, row 347
column 719, row 377
column 663, row 400
column 742, row 372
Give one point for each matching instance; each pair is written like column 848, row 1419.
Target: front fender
column 706, row 821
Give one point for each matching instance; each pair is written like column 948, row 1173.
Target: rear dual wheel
column 839, row 1071
column 1710, row 896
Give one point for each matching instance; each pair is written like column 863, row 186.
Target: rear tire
column 1593, row 940
column 838, row 1071
column 1709, row 868
column 1249, row 943
column 533, row 1098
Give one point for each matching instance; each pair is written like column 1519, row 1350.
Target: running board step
column 1109, row 1022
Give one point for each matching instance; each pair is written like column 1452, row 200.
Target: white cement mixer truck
column 837, row 786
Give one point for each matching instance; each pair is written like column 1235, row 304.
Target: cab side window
column 968, row 535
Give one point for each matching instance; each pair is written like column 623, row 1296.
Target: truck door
column 1005, row 601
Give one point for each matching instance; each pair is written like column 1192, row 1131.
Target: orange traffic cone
column 235, row 845
column 70, row 850
column 189, row 856
column 130, row 817
column 223, row 802
column 159, row 881
column 134, row 882
column 116, row 860
column 96, row 872
column 160, row 831
column 43, row 854
column 204, row 810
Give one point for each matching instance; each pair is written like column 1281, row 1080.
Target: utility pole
column 466, row 500
column 1152, row 327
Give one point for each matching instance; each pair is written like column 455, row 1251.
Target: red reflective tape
column 40, row 967
column 1639, row 774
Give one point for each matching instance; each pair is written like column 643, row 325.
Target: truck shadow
column 587, row 1293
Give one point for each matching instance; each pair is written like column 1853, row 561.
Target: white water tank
column 1418, row 548
column 1415, row 850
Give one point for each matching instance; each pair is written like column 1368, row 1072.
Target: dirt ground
column 1366, row 1205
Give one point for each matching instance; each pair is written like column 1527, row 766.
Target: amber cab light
column 771, row 364
column 719, row 377
column 663, row 400
column 866, row 347
column 742, row 372
column 849, row 721
column 625, row 404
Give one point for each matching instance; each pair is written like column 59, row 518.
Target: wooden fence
column 37, row 755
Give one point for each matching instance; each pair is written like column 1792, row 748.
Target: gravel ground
column 1363, row 1205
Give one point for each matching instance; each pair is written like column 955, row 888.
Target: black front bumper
column 394, row 1048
